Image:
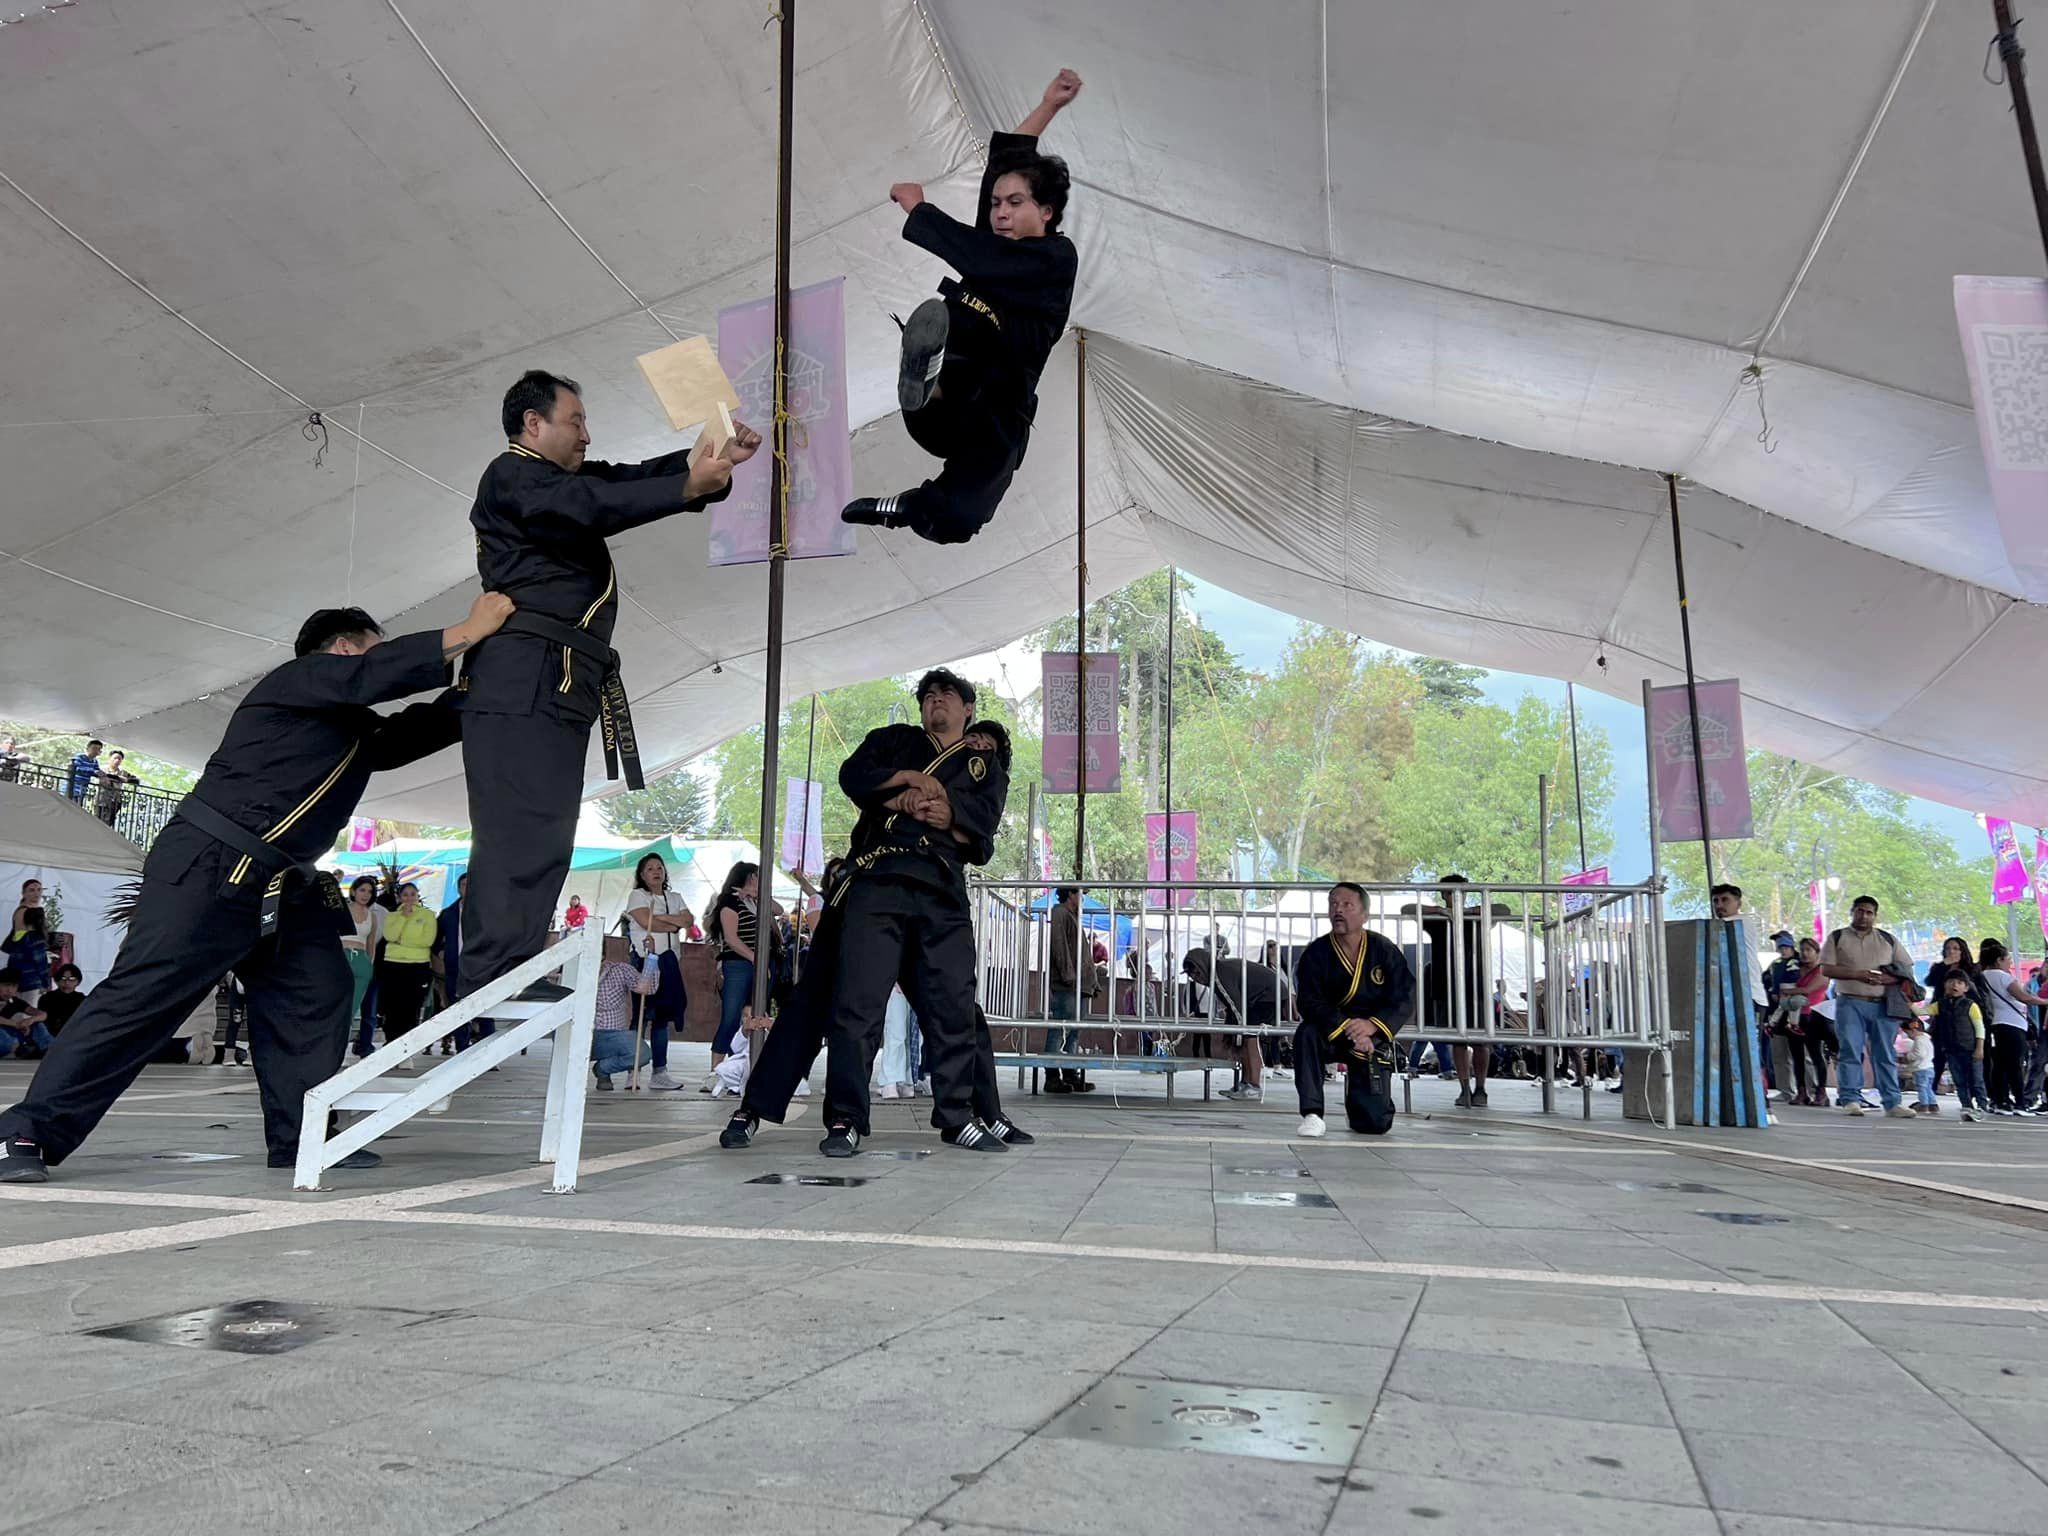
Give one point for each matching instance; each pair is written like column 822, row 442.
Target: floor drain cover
column 820, row 1180
column 1269, row 1173
column 252, row 1327
column 1284, row 1199
column 1678, row 1188
column 1746, row 1218
column 1225, row 1421
column 195, row 1157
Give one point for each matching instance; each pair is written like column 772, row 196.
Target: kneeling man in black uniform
column 1355, row 992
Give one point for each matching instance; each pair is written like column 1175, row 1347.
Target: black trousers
column 2007, row 1060
column 981, row 448
column 903, row 932
column 183, row 938
column 1368, row 1098
column 525, row 785
column 792, row 1047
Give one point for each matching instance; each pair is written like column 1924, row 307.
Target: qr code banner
column 2004, row 325
column 1061, row 701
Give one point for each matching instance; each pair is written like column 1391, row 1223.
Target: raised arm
column 1066, row 85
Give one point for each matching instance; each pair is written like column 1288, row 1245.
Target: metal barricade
column 1546, row 968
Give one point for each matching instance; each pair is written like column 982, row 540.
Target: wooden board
column 691, row 385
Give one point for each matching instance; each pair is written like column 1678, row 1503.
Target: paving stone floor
column 1487, row 1320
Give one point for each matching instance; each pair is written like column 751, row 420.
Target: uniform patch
column 977, row 769
column 1379, row 976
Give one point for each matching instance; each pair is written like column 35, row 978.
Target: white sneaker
column 885, row 1091
column 922, row 1087
column 720, row 1091
column 1311, row 1125
column 1854, row 1107
column 1900, row 1112
column 664, row 1082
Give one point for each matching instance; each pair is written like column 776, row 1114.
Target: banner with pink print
column 1169, row 854
column 2041, row 879
column 1721, row 753
column 2009, row 880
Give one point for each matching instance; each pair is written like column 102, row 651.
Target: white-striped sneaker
column 973, row 1137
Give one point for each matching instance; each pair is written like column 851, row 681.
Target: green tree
column 1467, row 800
column 675, row 806
column 1810, row 821
column 1448, row 684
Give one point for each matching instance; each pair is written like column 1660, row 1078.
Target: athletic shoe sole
column 924, row 354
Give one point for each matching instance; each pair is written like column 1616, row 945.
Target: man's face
column 66, row 982
column 33, row 891
column 945, row 713
column 7, row 990
column 461, row 886
column 1347, row 912
column 1863, row 917
column 560, row 436
column 1013, row 212
column 1727, row 904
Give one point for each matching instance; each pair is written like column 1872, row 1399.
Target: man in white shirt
column 1865, row 962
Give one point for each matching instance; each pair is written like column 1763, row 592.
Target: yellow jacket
column 409, row 939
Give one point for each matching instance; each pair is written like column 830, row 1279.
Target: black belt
column 278, row 867
column 621, row 745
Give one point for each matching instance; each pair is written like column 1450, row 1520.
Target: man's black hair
column 330, row 625
column 1046, row 176
column 95, row 742
column 535, row 391
column 1353, row 887
column 58, row 974
column 1063, row 892
column 9, row 976
column 1732, row 890
column 1452, row 879
column 996, row 730
column 1865, row 901
column 940, row 678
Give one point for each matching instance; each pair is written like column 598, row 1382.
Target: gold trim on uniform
column 611, row 581
column 522, row 450
column 242, row 865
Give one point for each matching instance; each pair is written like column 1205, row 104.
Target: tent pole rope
column 1080, row 601
column 2014, row 58
column 1692, row 690
column 778, row 503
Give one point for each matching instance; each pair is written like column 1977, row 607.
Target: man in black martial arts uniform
column 229, row 885
column 792, row 1046
column 971, row 359
column 1355, row 991
column 530, row 697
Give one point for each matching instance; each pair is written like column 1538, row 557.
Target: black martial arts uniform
column 1376, row 986
column 1004, row 313
column 287, row 775
column 530, row 693
column 904, row 916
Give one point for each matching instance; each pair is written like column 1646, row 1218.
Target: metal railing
column 1545, row 967
column 137, row 811
column 570, row 1019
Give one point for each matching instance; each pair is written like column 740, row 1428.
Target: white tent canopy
column 1396, row 316
column 83, row 865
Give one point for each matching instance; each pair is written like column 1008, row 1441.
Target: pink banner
column 1169, row 853
column 1820, row 921
column 1061, row 707
column 803, row 839
column 1583, row 877
column 1721, row 751
column 2009, row 880
column 2041, row 879
column 362, row 834
column 2004, row 326
column 820, row 447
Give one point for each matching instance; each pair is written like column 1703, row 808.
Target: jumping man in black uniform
column 229, row 886
column 529, row 698
column 1355, row 992
column 971, row 360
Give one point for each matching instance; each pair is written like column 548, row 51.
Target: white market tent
column 83, row 866
column 1397, row 312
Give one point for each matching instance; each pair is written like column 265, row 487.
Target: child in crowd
column 21, row 1027
column 1960, row 1023
column 1916, row 1060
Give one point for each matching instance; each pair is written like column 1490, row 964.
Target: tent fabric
column 1395, row 321
column 37, row 827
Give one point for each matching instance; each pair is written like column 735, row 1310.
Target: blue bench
column 1035, row 1062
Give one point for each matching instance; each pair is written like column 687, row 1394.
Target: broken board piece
column 691, row 385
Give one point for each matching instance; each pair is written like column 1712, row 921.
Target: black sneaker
column 1009, row 1134
column 842, row 1140
column 924, row 354
column 973, row 1137
column 23, row 1162
column 1479, row 1098
column 873, row 512
column 1056, row 1082
column 738, row 1132
column 362, row 1157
